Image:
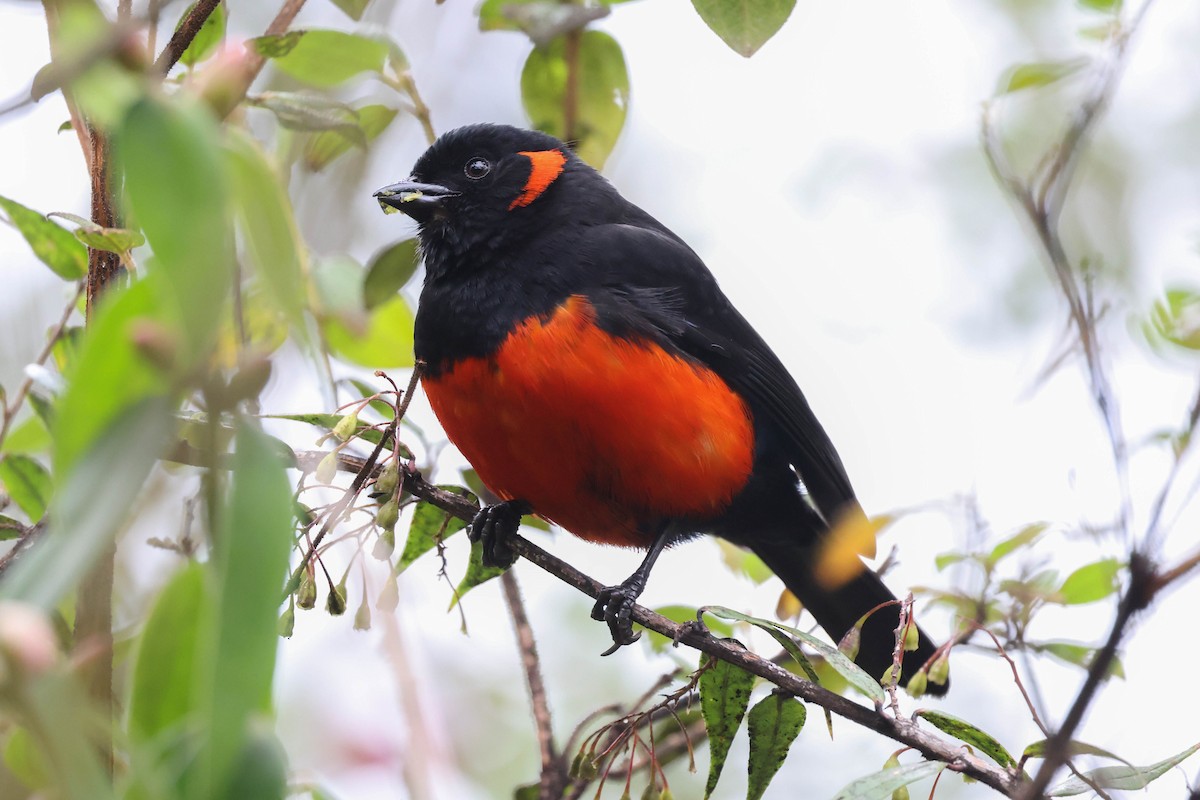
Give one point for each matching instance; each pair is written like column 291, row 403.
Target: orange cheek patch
column 546, row 166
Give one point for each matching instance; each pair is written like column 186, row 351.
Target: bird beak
column 418, row 200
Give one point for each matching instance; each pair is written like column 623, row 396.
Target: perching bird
column 586, row 363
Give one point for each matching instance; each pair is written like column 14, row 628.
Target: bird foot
column 614, row 606
column 494, row 526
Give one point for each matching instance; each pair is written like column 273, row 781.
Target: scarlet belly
column 604, row 436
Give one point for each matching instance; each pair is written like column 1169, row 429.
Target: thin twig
column 184, row 34
column 553, row 775
column 26, row 385
column 1137, row 597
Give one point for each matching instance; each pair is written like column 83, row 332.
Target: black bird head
column 483, row 185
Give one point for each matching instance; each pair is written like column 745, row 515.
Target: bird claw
column 614, row 605
column 494, row 526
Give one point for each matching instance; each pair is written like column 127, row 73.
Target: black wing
column 648, row 283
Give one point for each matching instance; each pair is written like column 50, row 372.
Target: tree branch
column 184, row 34
column 255, row 61
column 902, row 730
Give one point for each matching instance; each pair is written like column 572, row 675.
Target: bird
column 586, row 363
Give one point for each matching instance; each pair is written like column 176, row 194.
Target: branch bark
column 184, row 34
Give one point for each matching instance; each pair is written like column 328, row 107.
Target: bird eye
column 476, row 168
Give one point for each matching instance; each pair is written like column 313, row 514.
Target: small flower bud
column 287, row 620
column 389, row 598
column 335, row 604
column 362, row 617
column 156, row 343
column 939, row 671
column 27, row 640
column 888, row 675
column 327, row 469
column 388, row 479
column 388, row 515
column 912, row 637
column 346, row 427
column 306, row 595
column 918, row 683
column 385, row 544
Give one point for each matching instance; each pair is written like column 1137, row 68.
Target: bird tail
column 839, row 609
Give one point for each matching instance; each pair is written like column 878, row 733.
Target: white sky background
column 835, row 186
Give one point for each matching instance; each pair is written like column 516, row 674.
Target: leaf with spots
column 724, row 697
column 430, row 525
column 773, row 724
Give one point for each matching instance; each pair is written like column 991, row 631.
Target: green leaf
column 1038, row 74
column 724, row 697
column 175, row 178
column 1077, row 654
column 29, row 436
column 300, row 111
column 109, row 374
column 1022, row 538
column 773, row 724
column 943, row 560
column 10, row 528
column 541, row 20
column 28, row 483
column 207, row 38
column 162, row 694
column 1106, row 6
column 387, row 343
column 602, row 95
column 853, row 673
column 51, row 706
column 322, row 148
column 388, row 271
column 964, row 731
column 269, row 227
column 743, row 562
column 1122, row 778
column 430, row 525
column 276, row 46
column 1090, row 583
column 477, row 574
column 322, row 58
column 249, row 567
column 880, row 785
column 1074, row 748
column 744, row 25
column 26, row 761
column 353, row 8
column 94, row 498
column 97, row 237
column 54, row 245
